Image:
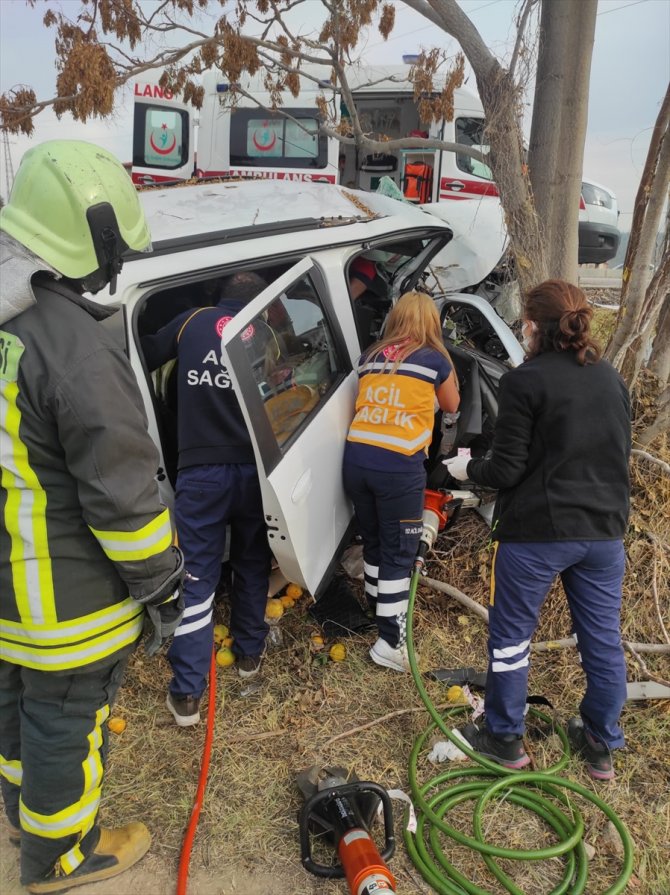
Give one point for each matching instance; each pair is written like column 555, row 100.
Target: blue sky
column 629, row 74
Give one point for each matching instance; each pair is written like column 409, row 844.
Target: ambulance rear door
column 163, row 137
column 296, row 388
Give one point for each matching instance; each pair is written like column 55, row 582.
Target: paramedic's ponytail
column 562, row 319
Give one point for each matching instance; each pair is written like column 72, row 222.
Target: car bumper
column 597, row 242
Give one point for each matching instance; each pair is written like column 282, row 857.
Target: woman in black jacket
column 560, row 463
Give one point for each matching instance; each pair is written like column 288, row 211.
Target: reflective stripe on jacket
column 395, row 409
column 82, row 530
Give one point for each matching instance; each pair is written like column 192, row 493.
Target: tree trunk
column 651, row 196
column 659, row 362
column 499, row 97
column 503, row 134
column 558, row 131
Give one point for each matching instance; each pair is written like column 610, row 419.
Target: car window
column 299, row 364
column 470, row 132
column 160, row 137
column 265, row 137
column 593, row 195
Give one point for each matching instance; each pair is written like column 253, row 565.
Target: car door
column 297, row 396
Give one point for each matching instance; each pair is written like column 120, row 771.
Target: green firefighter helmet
column 74, row 205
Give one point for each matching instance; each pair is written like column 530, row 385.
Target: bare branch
column 651, row 459
column 521, row 28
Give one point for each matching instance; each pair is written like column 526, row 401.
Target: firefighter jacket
column 82, row 531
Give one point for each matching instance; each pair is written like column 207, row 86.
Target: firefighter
column 400, row 379
column 560, row 461
column 85, row 542
column 217, row 487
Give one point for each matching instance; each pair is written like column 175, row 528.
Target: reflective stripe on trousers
column 53, row 727
column 389, row 509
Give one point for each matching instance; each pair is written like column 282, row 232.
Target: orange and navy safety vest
column 395, row 407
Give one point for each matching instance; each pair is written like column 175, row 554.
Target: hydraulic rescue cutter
column 340, row 809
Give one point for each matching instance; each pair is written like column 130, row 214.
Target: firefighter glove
column 165, row 605
column 165, row 619
column 458, row 467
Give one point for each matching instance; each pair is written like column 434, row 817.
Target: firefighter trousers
column 53, row 747
column 389, row 512
column 208, row 500
column 592, row 575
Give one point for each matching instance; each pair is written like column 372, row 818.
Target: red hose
column 185, row 856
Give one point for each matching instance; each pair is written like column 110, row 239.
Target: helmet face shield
column 74, row 205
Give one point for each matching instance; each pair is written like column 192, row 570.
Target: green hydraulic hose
column 538, row 792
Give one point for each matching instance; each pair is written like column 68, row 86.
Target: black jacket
column 560, row 452
column 211, row 426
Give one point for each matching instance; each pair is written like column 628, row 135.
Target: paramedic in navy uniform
column 400, row 378
column 217, row 486
column 560, row 461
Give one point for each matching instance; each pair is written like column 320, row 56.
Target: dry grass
column 249, row 818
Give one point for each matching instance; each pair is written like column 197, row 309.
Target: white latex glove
column 458, row 467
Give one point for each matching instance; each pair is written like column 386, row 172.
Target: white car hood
column 480, row 240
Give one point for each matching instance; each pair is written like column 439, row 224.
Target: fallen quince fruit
column 293, row 592
column 220, row 633
column 337, row 652
column 116, row 725
column 274, row 609
column 225, row 657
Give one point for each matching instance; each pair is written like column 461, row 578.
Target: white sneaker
column 390, row 657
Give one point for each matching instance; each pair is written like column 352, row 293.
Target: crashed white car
column 302, row 238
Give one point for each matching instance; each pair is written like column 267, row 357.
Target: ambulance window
column 470, row 132
column 296, row 364
column 260, row 137
column 160, row 137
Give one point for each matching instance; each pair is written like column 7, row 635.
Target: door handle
column 302, row 487
column 456, row 185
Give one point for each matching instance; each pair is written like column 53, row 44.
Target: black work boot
column 116, row 851
column 507, row 751
column 597, row 756
column 185, row 709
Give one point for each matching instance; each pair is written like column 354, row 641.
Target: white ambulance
column 238, row 136
column 303, row 238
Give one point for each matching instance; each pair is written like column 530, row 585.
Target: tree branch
column 651, row 459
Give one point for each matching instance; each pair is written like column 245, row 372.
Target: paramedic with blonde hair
column 400, row 377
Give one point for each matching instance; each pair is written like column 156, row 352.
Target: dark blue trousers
column 592, row 573
column 389, row 511
column 208, row 499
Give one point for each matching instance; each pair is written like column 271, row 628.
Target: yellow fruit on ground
column 274, row 609
column 287, row 602
column 225, row 657
column 317, row 640
column 294, row 591
column 455, row 694
column 227, row 641
column 116, row 725
column 220, row 633
column 337, row 652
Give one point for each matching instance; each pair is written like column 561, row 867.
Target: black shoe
column 597, row 756
column 508, row 751
column 249, row 666
column 185, row 709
